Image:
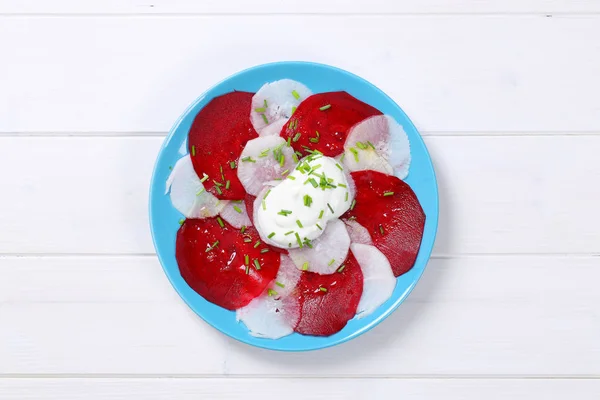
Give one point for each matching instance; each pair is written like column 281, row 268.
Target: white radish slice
column 273, row 129
column 276, row 101
column 357, row 232
column 235, row 214
column 391, row 153
column 275, row 313
column 188, row 195
column 379, row 280
column 257, row 163
column 258, row 203
column 269, row 316
column 328, row 252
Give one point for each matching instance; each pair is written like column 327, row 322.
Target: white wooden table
column 506, row 94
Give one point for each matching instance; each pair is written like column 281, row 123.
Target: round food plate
column 164, row 219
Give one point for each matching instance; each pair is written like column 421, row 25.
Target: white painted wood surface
column 506, row 95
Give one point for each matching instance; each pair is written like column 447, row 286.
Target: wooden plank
column 468, row 316
column 449, row 73
column 298, row 389
column 295, row 6
column 89, row 194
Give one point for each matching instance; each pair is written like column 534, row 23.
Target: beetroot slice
column 332, row 123
column 219, row 275
column 395, row 222
column 249, row 201
column 323, row 313
column 217, row 138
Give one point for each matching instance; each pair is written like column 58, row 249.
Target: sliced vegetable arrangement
column 296, row 216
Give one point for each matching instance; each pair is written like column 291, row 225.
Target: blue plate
column 319, row 78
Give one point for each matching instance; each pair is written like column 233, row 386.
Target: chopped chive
column 321, row 214
column 266, row 194
column 193, row 151
column 299, row 223
column 330, row 263
column 247, row 240
column 342, row 185
column 246, row 259
column 222, row 175
column 264, row 117
column 247, row 269
column 371, row 144
column 297, row 137
column 295, row 94
column 353, row 204
column 342, row 157
column 325, row 107
column 265, row 103
column 285, row 172
column 346, row 198
column 316, row 167
column 292, row 177
column 220, row 221
column 340, row 269
column 218, row 189
column 298, row 239
column 264, row 204
column 289, row 141
column 314, row 140
column 381, row 229
column 256, row 264
column 319, row 226
column 260, row 109
column 289, row 245
column 281, row 160
column 248, row 159
column 215, row 244
column 285, row 213
column 353, row 150
column 295, row 123
column 330, row 209
column 181, row 221
column 264, row 153
column 271, row 292
column 305, row 266
column 232, row 165
column 307, row 200
column 388, row 194
column 227, row 184
column 313, row 182
column 217, row 183
column 204, row 178
column 339, row 166
column 263, row 251
column 308, row 243
column 243, row 229
column 361, row 145
column 352, row 218
column 294, row 108
column 257, row 244
column 295, row 157
column 271, row 235
column 279, row 284
column 288, row 233
column 236, row 208
column 200, row 192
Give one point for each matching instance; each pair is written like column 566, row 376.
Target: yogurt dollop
column 297, row 210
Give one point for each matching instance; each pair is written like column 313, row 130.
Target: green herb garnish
column 236, row 208
column 295, row 94
column 325, row 107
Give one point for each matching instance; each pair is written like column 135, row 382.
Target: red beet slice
column 325, row 312
column 217, row 138
column 332, row 123
column 249, row 201
column 395, row 222
column 219, row 274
